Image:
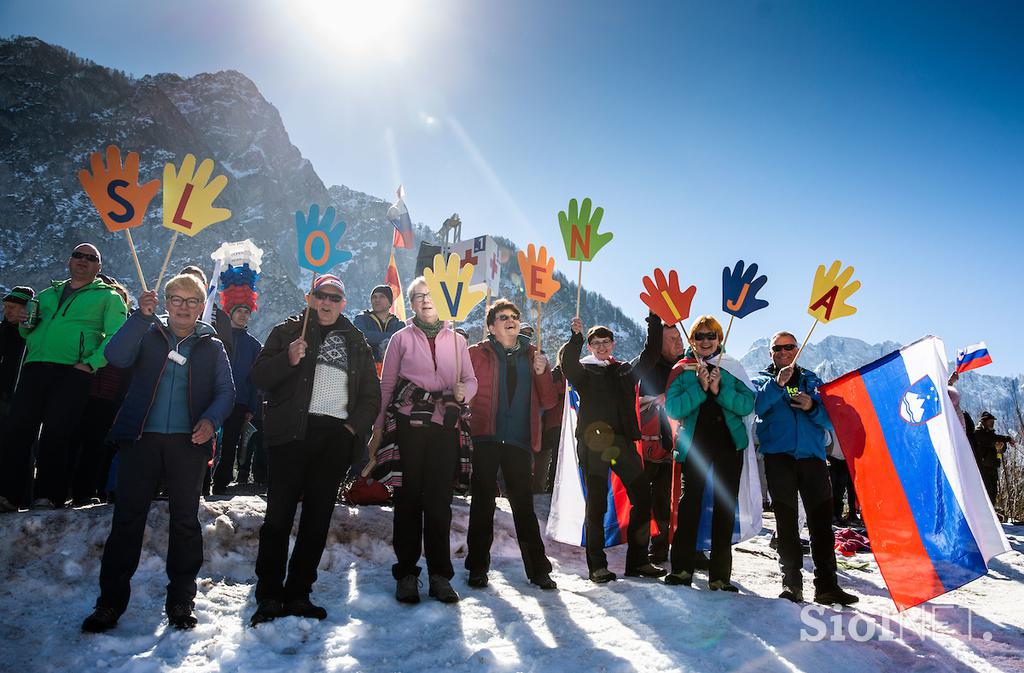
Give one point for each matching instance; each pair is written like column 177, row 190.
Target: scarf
column 431, row 330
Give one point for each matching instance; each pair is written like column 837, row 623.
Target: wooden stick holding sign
column 581, row 238
column 829, row 293
column 452, row 284
column 538, row 272
column 739, row 295
column 317, row 240
column 189, row 194
column 119, row 199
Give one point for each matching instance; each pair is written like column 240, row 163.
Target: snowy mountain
column 57, row 108
column 833, row 356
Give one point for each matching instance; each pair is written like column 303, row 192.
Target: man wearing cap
column 322, row 396
column 64, row 346
column 988, row 451
column 378, row 323
column 12, row 344
column 244, row 350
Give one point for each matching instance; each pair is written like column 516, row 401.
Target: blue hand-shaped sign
column 318, row 240
column 739, row 288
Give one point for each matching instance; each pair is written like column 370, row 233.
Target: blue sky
column 887, row 135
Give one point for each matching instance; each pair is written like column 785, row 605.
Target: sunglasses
column 505, row 317
column 85, row 255
column 325, row 296
column 704, row 336
column 783, row 347
column 176, row 301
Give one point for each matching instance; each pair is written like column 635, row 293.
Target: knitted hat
column 986, row 416
column 384, row 290
column 20, row 295
column 328, row 279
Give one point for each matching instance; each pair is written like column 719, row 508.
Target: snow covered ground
column 49, row 564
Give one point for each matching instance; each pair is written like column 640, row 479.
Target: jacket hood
column 97, row 283
column 202, row 328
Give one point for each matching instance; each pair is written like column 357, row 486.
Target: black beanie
column 384, row 290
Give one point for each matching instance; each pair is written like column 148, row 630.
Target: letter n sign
column 583, row 242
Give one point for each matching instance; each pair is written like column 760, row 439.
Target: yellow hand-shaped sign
column 538, row 273
column 189, row 195
column 449, row 286
column 830, row 292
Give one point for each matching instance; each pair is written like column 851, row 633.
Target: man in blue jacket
column 181, row 391
column 792, row 426
column 378, row 323
column 245, row 348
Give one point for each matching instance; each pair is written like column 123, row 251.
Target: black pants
column 842, row 484
column 309, row 470
column 660, row 477
column 142, row 466
column 91, row 464
column 234, row 424
column 638, row 488
column 423, row 504
column 514, row 462
column 727, row 464
column 255, row 462
column 54, row 396
column 808, row 478
column 543, row 462
column 990, row 477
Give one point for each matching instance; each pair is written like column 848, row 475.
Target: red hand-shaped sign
column 666, row 299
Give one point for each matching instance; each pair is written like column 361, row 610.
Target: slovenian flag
column 972, row 357
column 391, row 279
column 931, row 525
column 398, row 216
column 567, row 517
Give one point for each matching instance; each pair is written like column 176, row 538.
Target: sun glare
column 360, row 28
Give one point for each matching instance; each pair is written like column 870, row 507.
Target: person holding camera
column 793, row 429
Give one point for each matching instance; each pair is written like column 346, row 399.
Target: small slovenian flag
column 931, row 524
column 398, row 216
column 972, row 357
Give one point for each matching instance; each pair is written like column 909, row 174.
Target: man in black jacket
column 605, row 434
column 322, row 396
column 12, row 344
column 988, row 453
column 664, row 347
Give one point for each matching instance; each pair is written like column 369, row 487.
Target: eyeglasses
column 505, row 317
column 601, row 343
column 85, row 255
column 176, row 301
column 704, row 336
column 418, row 296
column 328, row 296
column 783, row 347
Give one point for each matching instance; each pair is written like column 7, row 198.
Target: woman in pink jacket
column 422, row 402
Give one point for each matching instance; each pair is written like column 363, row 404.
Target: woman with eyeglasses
column 710, row 394
column 426, row 382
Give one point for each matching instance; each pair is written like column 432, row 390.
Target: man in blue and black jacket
column 181, row 391
column 791, row 428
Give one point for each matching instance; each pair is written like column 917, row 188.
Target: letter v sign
column 453, row 305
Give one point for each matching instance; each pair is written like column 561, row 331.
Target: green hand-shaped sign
column 579, row 231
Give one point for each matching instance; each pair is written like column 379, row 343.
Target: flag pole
column 308, row 308
column 579, row 288
column 167, row 258
column 793, row 363
column 540, row 340
column 135, row 256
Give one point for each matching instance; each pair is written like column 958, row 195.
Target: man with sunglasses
column 792, row 427
column 514, row 386
column 181, row 390
column 322, row 396
column 64, row 346
column 606, row 430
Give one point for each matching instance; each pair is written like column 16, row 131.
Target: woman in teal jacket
column 710, row 403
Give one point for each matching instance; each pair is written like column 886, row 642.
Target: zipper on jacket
column 152, row 397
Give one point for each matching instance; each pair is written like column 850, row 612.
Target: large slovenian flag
column 391, row 279
column 567, row 517
column 932, row 527
column 398, row 216
column 972, row 357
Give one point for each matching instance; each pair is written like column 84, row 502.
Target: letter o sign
column 308, row 248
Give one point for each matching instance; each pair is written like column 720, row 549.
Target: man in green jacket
column 63, row 347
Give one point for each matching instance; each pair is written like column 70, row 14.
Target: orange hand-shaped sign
column 538, row 273
column 830, row 292
column 666, row 299
column 189, row 195
column 115, row 190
